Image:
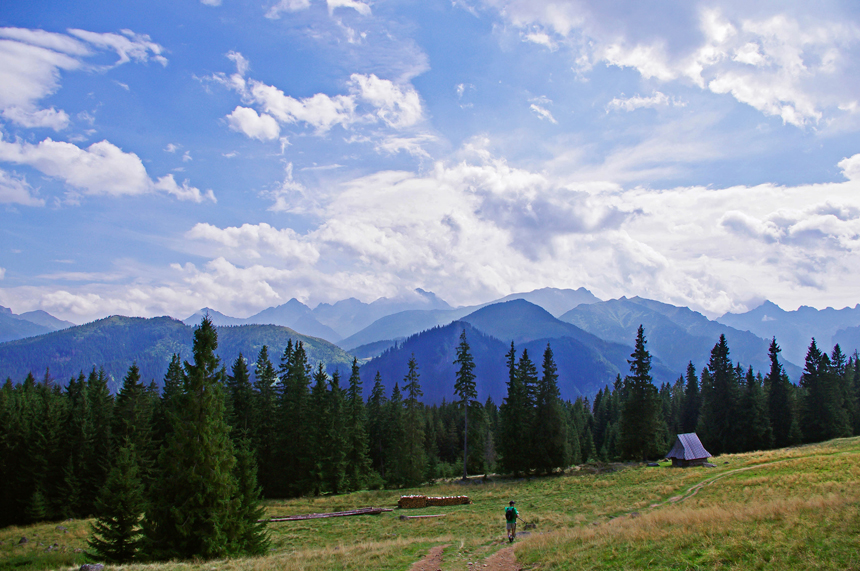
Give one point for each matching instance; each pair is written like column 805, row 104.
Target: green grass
column 797, row 508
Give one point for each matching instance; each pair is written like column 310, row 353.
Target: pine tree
column 512, row 431
column 116, row 535
column 550, row 444
column 133, row 414
column 719, row 402
column 692, row 401
column 241, row 399
column 395, row 469
column 824, row 412
column 193, row 511
column 640, row 414
column 265, row 423
column 296, row 424
column 318, row 431
column 376, row 417
column 334, row 447
column 780, row 409
column 754, row 426
column 357, row 460
column 466, row 389
column 414, row 445
column 252, row 538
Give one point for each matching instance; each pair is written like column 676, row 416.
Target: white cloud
column 172, row 148
column 356, row 5
column 29, row 73
column 412, row 145
column 789, row 66
column 851, row 167
column 397, row 106
column 542, row 112
column 15, row 190
column 370, row 100
column 2, row 273
column 638, row 102
column 287, row 6
column 320, row 111
column 246, row 120
column 48, row 118
column 249, row 240
column 211, row 2
column 540, row 38
column 101, row 168
column 127, row 45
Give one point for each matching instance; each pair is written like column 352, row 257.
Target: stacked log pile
column 411, row 502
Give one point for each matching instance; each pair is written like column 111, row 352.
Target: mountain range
column 591, row 339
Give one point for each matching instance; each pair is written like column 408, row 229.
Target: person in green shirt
column 511, row 516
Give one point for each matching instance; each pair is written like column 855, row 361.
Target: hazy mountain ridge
column 676, row 335
column 585, row 362
column 794, row 330
column 28, row 324
column 116, row 342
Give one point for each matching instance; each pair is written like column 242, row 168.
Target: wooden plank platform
column 360, row 511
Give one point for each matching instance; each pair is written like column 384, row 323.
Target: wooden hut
column 688, row 451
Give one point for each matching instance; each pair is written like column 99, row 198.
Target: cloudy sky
column 161, row 156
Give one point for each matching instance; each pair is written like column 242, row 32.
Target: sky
column 158, row 157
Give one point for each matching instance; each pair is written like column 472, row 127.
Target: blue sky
column 158, row 157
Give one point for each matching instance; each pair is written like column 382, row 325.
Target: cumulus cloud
column 49, row 118
column 851, row 167
column 370, row 100
column 246, row 120
column 101, row 168
column 788, row 66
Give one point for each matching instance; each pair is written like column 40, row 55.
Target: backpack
column 510, row 514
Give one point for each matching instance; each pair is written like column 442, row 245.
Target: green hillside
column 116, row 342
column 796, row 508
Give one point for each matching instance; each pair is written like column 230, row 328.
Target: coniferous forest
column 179, row 473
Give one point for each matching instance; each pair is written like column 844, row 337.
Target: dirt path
column 432, row 561
column 502, row 560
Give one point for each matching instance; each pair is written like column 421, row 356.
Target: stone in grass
column 92, row 567
column 23, row 540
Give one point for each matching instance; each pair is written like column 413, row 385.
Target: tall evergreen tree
column 550, row 445
column 251, row 536
column 778, row 390
column 395, row 469
column 415, row 458
column 240, row 394
column 377, row 412
column 824, row 412
column 265, row 418
column 335, row 446
column 514, row 416
column 692, row 401
column 193, row 505
column 466, row 391
column 116, row 535
column 132, row 418
column 640, row 413
column 357, row 459
column 719, row 402
column 754, row 428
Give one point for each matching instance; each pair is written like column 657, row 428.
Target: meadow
column 794, row 508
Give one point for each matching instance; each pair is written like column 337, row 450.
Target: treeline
column 165, row 475
column 307, row 432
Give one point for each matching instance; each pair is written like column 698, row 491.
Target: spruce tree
column 318, row 431
column 824, row 413
column 780, row 409
column 251, row 537
column 719, row 402
column 357, row 460
column 241, row 398
column 193, row 504
column 754, row 428
column 692, row 401
column 116, row 535
column 640, row 414
column 334, row 446
column 550, row 445
column 395, row 469
column 414, row 446
column 132, row 416
column 265, row 423
column 376, row 419
column 515, row 417
column 466, row 391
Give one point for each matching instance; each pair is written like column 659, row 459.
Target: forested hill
column 116, row 342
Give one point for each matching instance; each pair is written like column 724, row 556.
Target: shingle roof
column 688, row 447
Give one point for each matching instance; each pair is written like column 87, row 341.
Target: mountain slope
column 405, row 323
column 27, row 324
column 585, row 362
column 116, row 342
column 794, row 330
column 676, row 335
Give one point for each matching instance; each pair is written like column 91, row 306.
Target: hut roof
column 688, row 447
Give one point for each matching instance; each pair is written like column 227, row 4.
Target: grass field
column 796, row 508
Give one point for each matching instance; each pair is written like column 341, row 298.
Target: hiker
column 511, row 516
